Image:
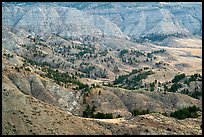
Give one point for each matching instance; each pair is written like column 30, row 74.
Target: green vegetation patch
column 89, row 113
column 122, row 52
column 149, row 55
column 175, row 87
column 193, row 77
column 177, row 78
column 188, row 112
column 122, row 78
column 140, row 112
column 59, row 77
column 134, row 81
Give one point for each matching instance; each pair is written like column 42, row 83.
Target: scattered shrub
column 188, row 112
column 138, row 112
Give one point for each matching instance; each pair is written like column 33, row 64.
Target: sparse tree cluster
column 149, row 54
column 138, row 112
column 8, row 55
column 122, row 52
column 137, row 53
column 134, row 81
column 188, row 112
column 178, row 77
column 89, row 112
column 175, row 87
column 193, row 77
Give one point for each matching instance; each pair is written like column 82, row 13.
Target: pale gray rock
column 38, row 91
column 21, row 82
column 57, row 20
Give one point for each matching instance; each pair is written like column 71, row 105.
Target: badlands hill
column 135, row 20
column 101, row 68
column 34, row 105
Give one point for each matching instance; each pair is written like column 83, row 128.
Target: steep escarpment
column 69, row 22
column 158, row 19
column 155, row 21
column 101, row 68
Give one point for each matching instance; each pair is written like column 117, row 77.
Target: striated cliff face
column 62, row 21
column 51, row 50
column 123, row 20
column 138, row 20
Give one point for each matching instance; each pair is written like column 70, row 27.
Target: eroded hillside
column 31, row 102
column 79, row 68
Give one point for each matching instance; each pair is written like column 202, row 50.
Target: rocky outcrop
column 63, row 21
column 38, row 91
column 34, row 104
column 21, row 83
column 142, row 19
column 108, row 19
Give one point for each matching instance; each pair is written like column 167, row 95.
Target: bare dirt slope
column 24, row 114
